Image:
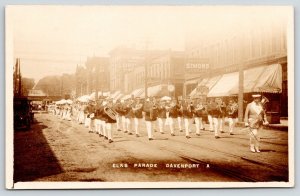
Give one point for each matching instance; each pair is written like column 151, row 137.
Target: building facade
column 92, row 77
column 128, row 69
column 255, row 45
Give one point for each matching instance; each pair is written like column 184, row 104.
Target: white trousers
column 161, row 124
column 179, row 120
column 171, row 122
column 81, row 117
column 87, row 121
column 137, row 122
column 216, row 125
column 199, row 124
column 92, row 124
column 119, row 121
column 123, row 121
column 187, row 124
column 68, row 115
column 149, row 129
column 221, row 122
column 210, row 121
column 98, row 125
column 254, row 138
column 231, row 123
column 128, row 124
column 103, row 126
column 109, row 127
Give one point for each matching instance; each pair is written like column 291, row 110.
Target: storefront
column 266, row 80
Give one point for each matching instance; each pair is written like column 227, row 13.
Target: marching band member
column 98, row 118
column 122, row 112
column 92, row 118
column 223, row 114
column 81, row 117
column 138, row 116
column 187, row 116
column 199, row 114
column 180, row 113
column 173, row 115
column 129, row 116
column 161, row 117
column 209, row 117
column 231, row 114
column 150, row 110
column 88, row 112
column 255, row 117
column 117, row 108
column 68, row 112
column 103, row 118
column 110, row 116
column 214, row 109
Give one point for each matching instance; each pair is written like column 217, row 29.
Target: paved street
column 59, row 150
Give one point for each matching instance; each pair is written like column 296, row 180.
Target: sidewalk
column 283, row 126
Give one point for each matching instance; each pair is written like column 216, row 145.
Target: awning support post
column 241, row 94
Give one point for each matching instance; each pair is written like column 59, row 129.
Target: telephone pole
column 146, row 70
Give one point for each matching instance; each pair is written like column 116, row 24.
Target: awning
column 208, row 82
column 194, row 81
column 224, row 85
column 119, row 96
column 115, row 94
column 158, row 90
column 265, row 79
column 137, row 92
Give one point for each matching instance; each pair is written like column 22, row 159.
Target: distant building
column 93, row 77
column 123, row 61
column 127, row 69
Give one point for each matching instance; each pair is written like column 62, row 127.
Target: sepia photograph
column 106, row 97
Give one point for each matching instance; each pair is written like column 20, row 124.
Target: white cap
column 256, row 95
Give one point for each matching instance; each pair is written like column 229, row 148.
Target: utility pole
column 16, row 77
column 97, row 81
column 146, row 70
column 20, row 78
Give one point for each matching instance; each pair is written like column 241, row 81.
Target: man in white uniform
column 255, row 117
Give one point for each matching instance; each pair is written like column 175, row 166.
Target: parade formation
column 107, row 115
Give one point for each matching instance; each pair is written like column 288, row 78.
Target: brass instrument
column 154, row 107
column 199, row 107
column 172, row 105
column 110, row 113
column 136, row 107
column 233, row 108
column 220, row 104
column 264, row 100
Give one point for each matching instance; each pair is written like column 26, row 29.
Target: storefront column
column 241, row 94
column 184, row 90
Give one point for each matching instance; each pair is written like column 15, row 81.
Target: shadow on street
column 33, row 158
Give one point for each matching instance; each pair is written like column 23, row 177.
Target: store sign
column 197, row 65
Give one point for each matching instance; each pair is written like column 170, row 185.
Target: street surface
column 60, row 150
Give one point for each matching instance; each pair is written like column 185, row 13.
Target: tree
column 27, row 84
column 57, row 85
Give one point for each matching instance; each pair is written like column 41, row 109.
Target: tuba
column 110, row 113
column 264, row 100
